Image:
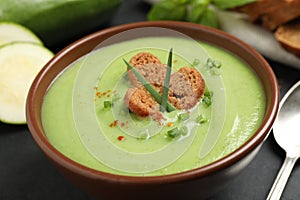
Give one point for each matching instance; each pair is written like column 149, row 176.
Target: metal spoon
column 287, row 134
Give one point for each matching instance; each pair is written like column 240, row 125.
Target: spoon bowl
column 287, row 135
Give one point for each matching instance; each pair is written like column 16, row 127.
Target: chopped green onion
column 214, row 66
column 165, row 93
column 149, row 87
column 207, row 99
column 144, row 136
column 183, row 130
column 196, row 62
column 201, row 119
column 213, row 63
column 173, row 132
column 107, row 104
column 183, row 116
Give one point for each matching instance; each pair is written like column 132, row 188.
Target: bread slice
column 289, row 11
column 140, row 102
column 143, row 58
column 270, row 14
column 154, row 73
column 289, row 37
column 257, row 8
column 148, row 65
column 186, row 88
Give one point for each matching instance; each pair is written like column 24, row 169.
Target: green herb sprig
column 165, row 93
column 196, row 11
column 149, row 87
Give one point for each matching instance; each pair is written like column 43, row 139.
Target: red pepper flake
column 104, row 94
column 121, row 138
column 114, row 124
column 169, row 124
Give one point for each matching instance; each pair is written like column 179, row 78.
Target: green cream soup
column 84, row 115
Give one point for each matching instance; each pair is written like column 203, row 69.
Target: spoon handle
column 282, row 178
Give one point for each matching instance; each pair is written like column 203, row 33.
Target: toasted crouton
column 152, row 72
column 143, row 58
column 148, row 65
column 186, row 88
column 195, row 79
column 140, row 102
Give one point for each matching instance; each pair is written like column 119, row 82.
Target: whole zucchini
column 56, row 21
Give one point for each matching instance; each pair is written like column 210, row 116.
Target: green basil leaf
column 196, row 11
column 225, row 4
column 168, row 10
column 209, row 18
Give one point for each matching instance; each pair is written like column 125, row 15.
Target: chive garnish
column 148, row 86
column 165, row 93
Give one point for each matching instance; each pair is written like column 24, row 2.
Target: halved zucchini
column 20, row 62
column 12, row 32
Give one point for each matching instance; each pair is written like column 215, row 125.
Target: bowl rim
column 58, row 158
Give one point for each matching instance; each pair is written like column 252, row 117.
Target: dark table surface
column 26, row 174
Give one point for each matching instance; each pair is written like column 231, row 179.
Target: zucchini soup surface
column 84, row 115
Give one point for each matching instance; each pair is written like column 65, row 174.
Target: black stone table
column 26, row 174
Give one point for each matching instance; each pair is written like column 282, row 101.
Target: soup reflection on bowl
column 153, row 110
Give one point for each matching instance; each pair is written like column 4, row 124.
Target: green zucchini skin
column 56, row 21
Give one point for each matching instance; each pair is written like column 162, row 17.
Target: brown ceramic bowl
column 194, row 184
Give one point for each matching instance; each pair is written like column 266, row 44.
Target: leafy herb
column 165, row 93
column 196, row 11
column 225, row 4
column 149, row 87
column 168, row 10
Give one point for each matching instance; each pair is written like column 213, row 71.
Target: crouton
column 154, row 73
column 143, row 58
column 141, row 102
column 186, row 88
